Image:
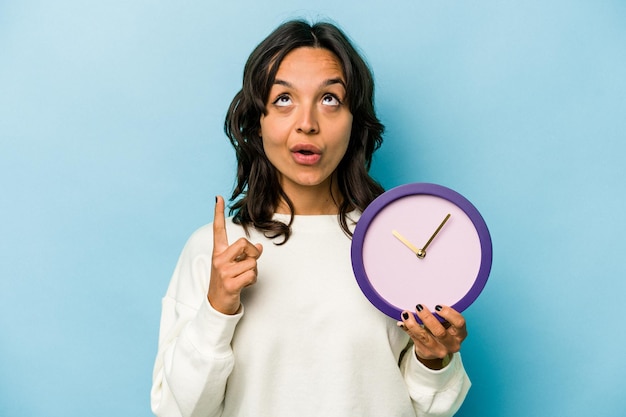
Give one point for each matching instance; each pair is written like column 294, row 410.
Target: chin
column 311, row 181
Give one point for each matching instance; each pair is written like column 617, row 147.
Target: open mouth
column 306, row 154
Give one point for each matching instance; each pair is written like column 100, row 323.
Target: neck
column 315, row 200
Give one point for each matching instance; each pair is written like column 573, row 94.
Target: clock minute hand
column 404, row 240
column 421, row 253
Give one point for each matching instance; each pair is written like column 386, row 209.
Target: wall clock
column 421, row 243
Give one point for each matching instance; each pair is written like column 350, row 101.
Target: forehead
column 310, row 61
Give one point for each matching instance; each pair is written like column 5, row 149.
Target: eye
column 282, row 101
column 331, row 100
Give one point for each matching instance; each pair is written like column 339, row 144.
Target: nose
column 307, row 122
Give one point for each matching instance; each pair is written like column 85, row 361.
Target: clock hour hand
column 421, row 253
column 404, row 240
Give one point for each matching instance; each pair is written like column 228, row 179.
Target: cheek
column 270, row 139
column 265, row 133
column 271, row 131
column 341, row 147
column 269, row 148
column 346, row 132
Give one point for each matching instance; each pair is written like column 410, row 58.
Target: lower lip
column 303, row 159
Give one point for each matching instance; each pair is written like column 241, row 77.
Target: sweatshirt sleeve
column 435, row 393
column 194, row 357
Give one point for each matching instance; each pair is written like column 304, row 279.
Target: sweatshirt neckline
column 315, row 221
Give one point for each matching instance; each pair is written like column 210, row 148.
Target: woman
column 263, row 316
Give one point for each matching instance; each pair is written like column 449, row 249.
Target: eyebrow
column 326, row 83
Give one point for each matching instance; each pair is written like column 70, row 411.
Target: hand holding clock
column 434, row 341
column 455, row 275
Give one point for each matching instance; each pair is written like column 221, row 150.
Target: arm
column 200, row 312
column 194, row 356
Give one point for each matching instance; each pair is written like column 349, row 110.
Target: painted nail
column 215, row 199
column 438, row 307
column 419, row 307
column 405, row 315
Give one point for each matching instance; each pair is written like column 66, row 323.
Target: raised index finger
column 220, row 240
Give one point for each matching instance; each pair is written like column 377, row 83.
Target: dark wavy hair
column 258, row 192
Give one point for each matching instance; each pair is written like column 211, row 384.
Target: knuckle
column 248, row 264
column 254, row 278
column 417, row 334
column 441, row 352
column 248, row 278
column 456, row 347
column 221, row 263
column 429, row 320
column 241, row 242
column 217, row 271
column 230, row 287
column 439, row 332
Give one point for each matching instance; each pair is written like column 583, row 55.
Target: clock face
column 421, row 243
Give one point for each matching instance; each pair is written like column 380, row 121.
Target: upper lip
column 306, row 147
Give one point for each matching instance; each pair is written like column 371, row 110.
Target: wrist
column 229, row 309
column 435, row 364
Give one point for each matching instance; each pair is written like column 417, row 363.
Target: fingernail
column 405, row 315
column 419, row 307
column 215, row 199
column 438, row 307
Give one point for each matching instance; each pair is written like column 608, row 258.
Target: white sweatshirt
column 306, row 343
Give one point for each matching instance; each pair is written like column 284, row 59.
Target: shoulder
column 200, row 241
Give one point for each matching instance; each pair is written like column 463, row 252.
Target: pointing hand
column 233, row 267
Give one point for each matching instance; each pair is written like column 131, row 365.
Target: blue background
column 112, row 151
